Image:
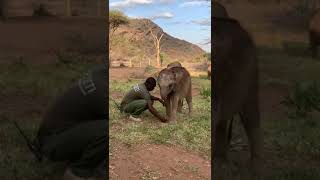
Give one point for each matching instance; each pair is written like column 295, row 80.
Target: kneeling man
column 139, row 99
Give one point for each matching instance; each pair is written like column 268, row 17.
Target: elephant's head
column 166, row 82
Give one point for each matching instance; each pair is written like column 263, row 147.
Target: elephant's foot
column 172, row 119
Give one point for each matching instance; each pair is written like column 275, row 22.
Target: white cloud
column 162, row 15
column 129, row 3
column 166, row 1
column 134, row 16
column 206, row 41
column 203, row 22
column 195, row 3
column 177, row 23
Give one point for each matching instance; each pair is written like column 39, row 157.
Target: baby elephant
column 175, row 85
column 174, row 64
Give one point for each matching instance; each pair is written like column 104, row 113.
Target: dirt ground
column 37, row 40
column 151, row 161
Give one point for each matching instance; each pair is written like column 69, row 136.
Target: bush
column 304, row 99
column 296, row 49
column 205, row 92
column 41, row 10
column 149, row 69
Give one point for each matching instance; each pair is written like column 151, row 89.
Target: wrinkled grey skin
column 235, row 91
column 177, row 64
column 174, row 64
column 219, row 10
column 175, row 85
column 314, row 34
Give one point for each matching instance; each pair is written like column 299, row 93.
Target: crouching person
column 139, row 99
column 75, row 128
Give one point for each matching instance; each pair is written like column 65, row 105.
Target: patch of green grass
column 296, row 138
column 193, row 132
column 296, row 174
column 17, row 160
column 120, row 86
column 38, row 80
column 150, row 175
column 274, row 64
column 200, row 82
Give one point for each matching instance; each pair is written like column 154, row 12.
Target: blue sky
column 184, row 19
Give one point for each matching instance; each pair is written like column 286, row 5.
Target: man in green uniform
column 138, row 99
column 75, row 128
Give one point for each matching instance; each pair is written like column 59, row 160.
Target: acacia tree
column 116, row 19
column 156, row 37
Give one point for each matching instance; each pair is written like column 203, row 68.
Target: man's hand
column 162, row 102
column 155, row 112
column 158, row 99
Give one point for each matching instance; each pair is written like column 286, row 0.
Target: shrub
column 149, row 69
column 304, row 99
column 205, row 92
column 41, row 10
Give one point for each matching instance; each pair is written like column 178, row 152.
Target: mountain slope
column 133, row 41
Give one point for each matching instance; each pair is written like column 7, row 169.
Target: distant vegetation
column 140, row 42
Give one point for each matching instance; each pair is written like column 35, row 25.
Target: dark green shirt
column 138, row 91
column 85, row 101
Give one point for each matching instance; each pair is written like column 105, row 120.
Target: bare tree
column 156, row 37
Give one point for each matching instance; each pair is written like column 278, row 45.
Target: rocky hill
column 133, row 42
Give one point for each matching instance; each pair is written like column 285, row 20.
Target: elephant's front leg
column 175, row 103
column 168, row 107
column 180, row 105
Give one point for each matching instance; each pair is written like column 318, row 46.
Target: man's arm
column 157, row 99
column 155, row 112
column 154, row 98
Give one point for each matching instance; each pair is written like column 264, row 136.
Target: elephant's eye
column 170, row 86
